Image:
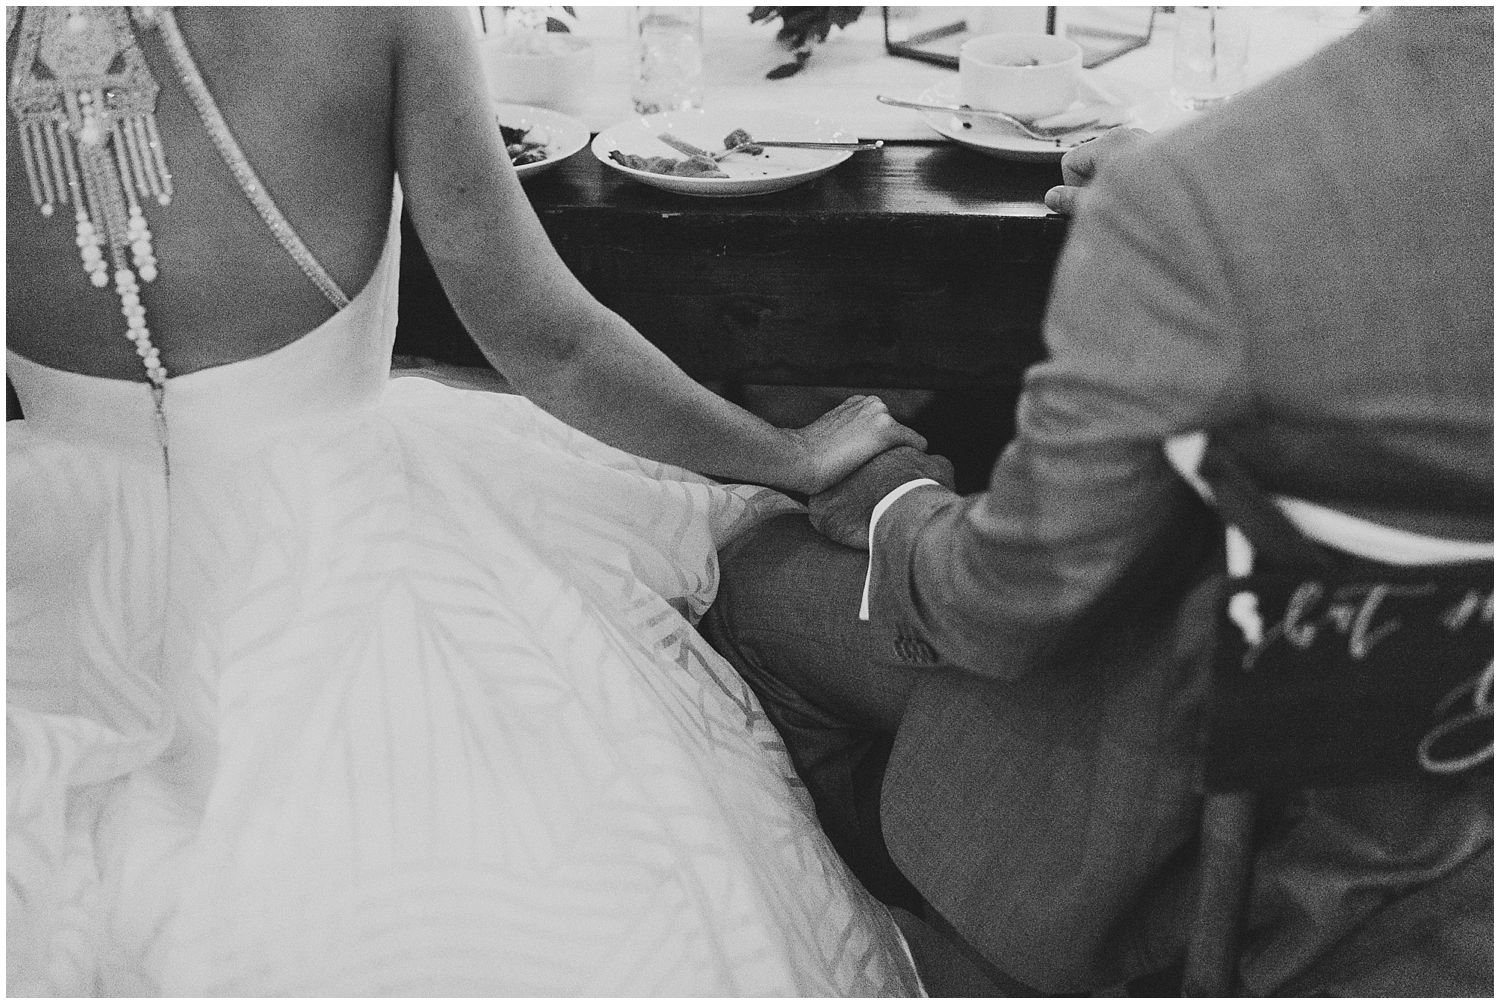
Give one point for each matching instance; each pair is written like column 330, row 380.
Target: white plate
column 771, row 171
column 563, row 134
column 993, row 137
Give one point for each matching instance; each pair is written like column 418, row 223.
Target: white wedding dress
column 383, row 687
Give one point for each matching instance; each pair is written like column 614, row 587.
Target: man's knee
column 787, row 618
column 776, row 578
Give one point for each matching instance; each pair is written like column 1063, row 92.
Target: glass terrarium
column 934, row 34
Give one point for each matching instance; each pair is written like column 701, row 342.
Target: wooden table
column 918, row 266
column 922, row 266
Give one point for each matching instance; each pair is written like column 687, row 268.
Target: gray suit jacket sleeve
column 1144, row 342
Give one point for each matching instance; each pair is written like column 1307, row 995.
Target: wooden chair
column 1343, row 657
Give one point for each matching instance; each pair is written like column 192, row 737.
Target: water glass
column 668, row 59
column 1208, row 57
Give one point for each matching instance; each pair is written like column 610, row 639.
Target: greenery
column 528, row 19
column 529, row 30
column 802, row 28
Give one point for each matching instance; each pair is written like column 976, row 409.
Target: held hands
column 838, row 442
column 842, row 513
column 1082, row 164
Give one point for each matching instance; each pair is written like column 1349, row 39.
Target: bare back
column 309, row 94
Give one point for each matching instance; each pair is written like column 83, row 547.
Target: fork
column 683, row 146
column 790, row 144
column 1103, row 121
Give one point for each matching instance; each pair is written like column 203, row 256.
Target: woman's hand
column 835, row 445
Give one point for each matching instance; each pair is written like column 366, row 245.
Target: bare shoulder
column 314, row 25
column 429, row 30
column 313, row 40
column 320, row 38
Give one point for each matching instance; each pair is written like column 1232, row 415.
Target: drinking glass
column 1208, row 56
column 668, row 59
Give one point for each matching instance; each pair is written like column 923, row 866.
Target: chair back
column 1347, row 652
column 1360, row 672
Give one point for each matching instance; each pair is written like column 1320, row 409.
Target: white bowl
column 1024, row 74
column 561, row 79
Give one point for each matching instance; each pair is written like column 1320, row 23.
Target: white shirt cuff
column 879, row 511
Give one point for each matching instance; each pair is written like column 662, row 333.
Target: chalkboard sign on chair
column 1332, row 668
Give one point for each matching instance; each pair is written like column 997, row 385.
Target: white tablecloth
column 851, row 67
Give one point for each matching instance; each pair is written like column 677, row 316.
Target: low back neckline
column 342, row 363
column 239, row 165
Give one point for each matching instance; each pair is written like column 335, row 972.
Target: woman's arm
column 538, row 325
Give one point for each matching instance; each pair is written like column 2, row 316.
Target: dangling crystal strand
column 28, row 157
column 137, row 235
column 122, row 161
column 88, row 248
column 140, row 152
column 39, row 146
column 159, row 158
column 141, row 252
column 54, row 161
column 106, row 219
column 87, row 234
column 93, row 259
column 132, row 132
column 106, row 193
column 129, row 292
column 70, row 168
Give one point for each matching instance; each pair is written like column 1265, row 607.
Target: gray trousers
column 786, row 619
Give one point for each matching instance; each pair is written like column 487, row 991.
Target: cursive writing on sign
column 1480, row 710
column 1362, row 614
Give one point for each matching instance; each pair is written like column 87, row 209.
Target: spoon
column 1107, row 117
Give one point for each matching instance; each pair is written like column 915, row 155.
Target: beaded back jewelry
column 84, row 103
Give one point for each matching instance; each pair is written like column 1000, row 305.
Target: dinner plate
column 562, row 134
column 772, row 171
column 995, row 138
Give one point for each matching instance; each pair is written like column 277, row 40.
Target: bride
column 322, row 683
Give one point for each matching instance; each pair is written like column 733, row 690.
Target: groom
column 1308, row 274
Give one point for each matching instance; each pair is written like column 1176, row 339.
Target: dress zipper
column 158, row 396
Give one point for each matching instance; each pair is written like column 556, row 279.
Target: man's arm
column 844, row 513
column 1144, row 342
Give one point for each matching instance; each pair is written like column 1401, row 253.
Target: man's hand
column 842, row 513
column 1082, row 164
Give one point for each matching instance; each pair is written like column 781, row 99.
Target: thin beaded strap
column 234, row 158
